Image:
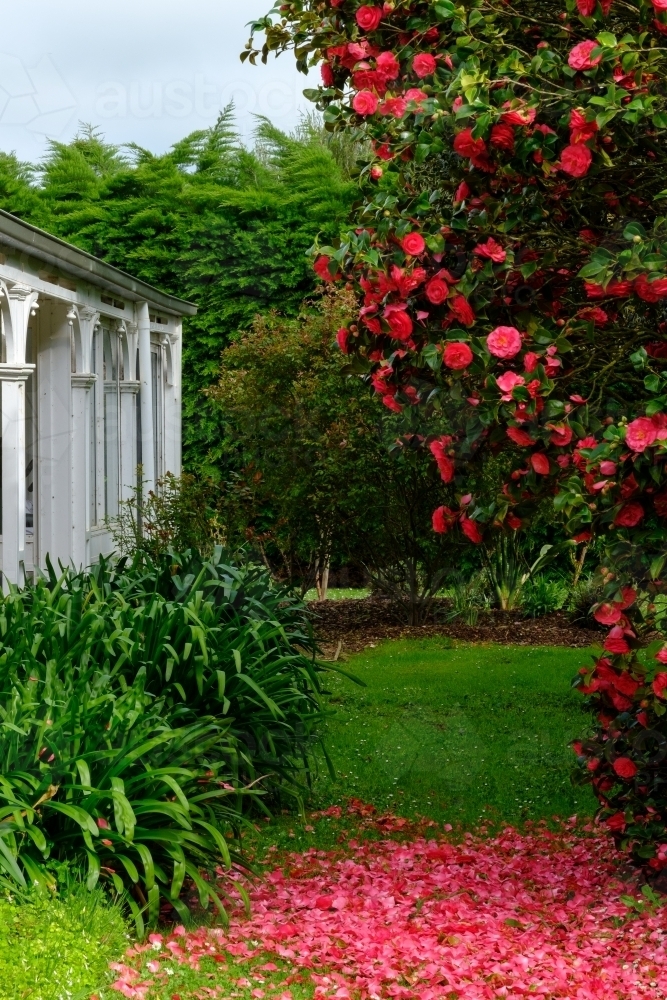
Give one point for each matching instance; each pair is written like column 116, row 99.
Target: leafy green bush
column 542, row 596
column 52, row 948
column 133, row 722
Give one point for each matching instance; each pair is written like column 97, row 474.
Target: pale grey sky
column 145, row 71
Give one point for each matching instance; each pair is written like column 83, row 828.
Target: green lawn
column 458, row 732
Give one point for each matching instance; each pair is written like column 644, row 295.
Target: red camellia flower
column 561, row 435
column 445, row 465
column 365, row 103
column 650, row 291
column 413, row 244
column 388, row 65
column 462, row 310
column 607, row 614
column 513, row 522
column 465, row 145
column 443, row 519
column 394, row 106
column 625, row 768
column 327, row 75
column 424, row 65
column 629, row 515
column 368, row 18
column 504, row 342
column 491, row 250
column 457, row 355
column 616, row 823
column 522, row 438
column 616, row 641
column 659, row 4
column 586, row 7
column 540, row 463
column 321, row 268
column 659, row 685
column 462, row 192
column 580, row 56
column 471, row 530
column 576, row 160
column 502, row 137
column 341, row 340
column 661, row 655
column 401, row 324
column 641, row 434
column 436, row 291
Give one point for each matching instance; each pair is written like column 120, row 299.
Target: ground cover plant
column 510, row 262
column 53, row 949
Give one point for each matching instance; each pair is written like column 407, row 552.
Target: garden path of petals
column 535, row 914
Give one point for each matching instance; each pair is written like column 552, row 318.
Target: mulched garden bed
column 357, row 624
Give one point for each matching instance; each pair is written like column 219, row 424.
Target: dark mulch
column 356, row 624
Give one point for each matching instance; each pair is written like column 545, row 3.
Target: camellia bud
column 376, row 173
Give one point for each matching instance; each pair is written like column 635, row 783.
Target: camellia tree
column 510, row 259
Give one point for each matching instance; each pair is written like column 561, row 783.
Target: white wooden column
column 146, row 396
column 83, row 321
column 22, row 300
column 129, row 389
column 172, row 403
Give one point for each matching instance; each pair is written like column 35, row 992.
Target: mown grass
column 464, row 735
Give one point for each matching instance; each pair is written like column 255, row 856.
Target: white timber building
column 90, row 388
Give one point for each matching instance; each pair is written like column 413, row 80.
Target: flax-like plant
column 139, row 710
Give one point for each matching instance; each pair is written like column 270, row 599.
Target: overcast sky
column 145, row 71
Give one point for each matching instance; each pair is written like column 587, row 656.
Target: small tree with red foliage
column 511, row 264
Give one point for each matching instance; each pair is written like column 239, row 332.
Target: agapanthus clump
column 510, row 261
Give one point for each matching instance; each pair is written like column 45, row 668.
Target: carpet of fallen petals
column 517, row 915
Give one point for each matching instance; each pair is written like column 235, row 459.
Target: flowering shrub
column 510, row 260
column 517, row 915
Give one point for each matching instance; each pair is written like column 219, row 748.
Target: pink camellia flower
column 540, row 463
column 586, row 7
column 491, row 250
column 661, row 655
column 436, row 291
column 376, row 173
column 365, row 103
column 608, row 614
column 457, row 355
column 659, row 685
column 608, row 468
column 520, row 437
column 580, row 56
column 424, row 65
column 659, row 4
column 443, row 519
column 388, row 65
column 641, row 434
column 413, row 244
column 625, row 768
column 341, row 340
column 629, row 515
column 394, row 106
column 462, row 310
column 327, row 74
column 616, row 641
column 102, row 823
column 368, row 18
column 471, row 530
column 504, row 342
column 576, row 160
column 518, row 116
column 416, row 95
column 507, row 382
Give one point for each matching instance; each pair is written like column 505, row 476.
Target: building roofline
column 28, row 238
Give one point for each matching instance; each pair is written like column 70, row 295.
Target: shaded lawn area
column 457, row 732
